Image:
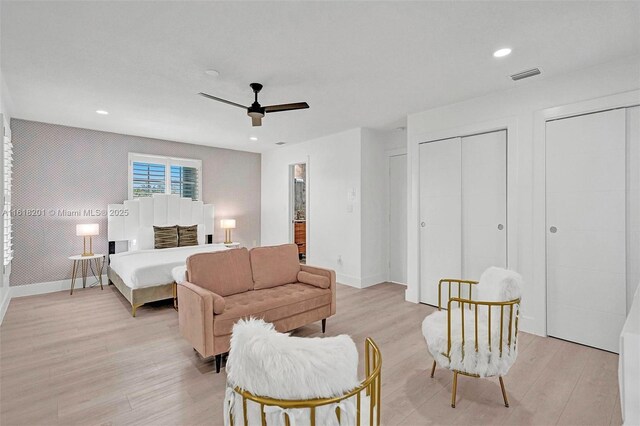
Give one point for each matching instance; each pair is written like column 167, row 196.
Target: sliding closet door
column 633, row 202
column 440, row 215
column 586, row 232
column 484, row 203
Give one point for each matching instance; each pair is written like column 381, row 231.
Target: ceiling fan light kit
column 257, row 111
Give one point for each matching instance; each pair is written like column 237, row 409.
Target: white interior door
column 398, row 219
column 484, row 203
column 585, row 202
column 440, row 215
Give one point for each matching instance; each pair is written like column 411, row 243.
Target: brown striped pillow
column 187, row 235
column 165, row 237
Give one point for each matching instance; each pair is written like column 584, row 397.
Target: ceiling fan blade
column 256, row 121
column 221, row 100
column 286, row 107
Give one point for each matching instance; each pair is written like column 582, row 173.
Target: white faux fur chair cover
column 272, row 364
column 496, row 285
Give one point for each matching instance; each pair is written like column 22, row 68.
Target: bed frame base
column 140, row 296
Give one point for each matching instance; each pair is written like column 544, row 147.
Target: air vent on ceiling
column 525, row 74
column 280, row 143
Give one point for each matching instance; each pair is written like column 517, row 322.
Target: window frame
column 167, row 162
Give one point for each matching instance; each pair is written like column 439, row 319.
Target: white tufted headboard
column 133, row 220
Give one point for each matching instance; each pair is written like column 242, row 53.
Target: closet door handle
column 500, row 227
column 553, row 229
column 422, row 224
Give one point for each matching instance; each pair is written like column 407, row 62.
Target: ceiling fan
column 257, row 111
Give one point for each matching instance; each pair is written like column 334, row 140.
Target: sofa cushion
column 270, row 304
column 314, row 279
column 224, row 272
column 275, row 265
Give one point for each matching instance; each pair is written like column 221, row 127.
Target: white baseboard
column 49, row 287
column 348, row 280
column 373, row 280
column 4, row 304
column 529, row 325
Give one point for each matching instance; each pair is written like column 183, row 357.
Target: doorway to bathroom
column 298, row 196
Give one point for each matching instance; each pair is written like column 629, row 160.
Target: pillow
column 277, row 365
column 165, row 237
column 187, row 235
column 313, row 279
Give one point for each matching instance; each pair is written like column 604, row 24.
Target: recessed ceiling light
column 102, row 112
column 280, row 143
column 253, row 138
column 212, row 73
column 501, row 52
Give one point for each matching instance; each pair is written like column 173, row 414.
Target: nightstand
column 83, row 263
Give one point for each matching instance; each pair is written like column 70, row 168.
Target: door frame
column 394, row 153
column 290, row 175
column 510, row 124
column 620, row 100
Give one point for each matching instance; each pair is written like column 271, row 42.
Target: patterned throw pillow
column 165, row 236
column 187, row 235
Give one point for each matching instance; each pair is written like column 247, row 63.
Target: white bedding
column 148, row 268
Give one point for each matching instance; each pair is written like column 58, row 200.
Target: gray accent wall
column 59, row 168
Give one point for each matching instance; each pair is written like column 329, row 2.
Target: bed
column 141, row 273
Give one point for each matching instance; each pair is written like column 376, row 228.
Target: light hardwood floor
column 83, row 359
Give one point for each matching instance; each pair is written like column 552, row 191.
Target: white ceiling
column 357, row 64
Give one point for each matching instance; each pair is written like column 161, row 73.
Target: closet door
column 440, row 215
column 586, row 267
column 484, row 203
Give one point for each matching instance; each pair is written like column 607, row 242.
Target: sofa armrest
column 315, row 280
column 329, row 273
column 195, row 315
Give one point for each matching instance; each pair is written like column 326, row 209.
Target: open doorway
column 298, row 208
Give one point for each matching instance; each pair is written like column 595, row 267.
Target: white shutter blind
column 7, row 169
column 184, row 181
column 148, row 179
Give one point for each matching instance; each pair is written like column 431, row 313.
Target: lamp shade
column 228, row 223
column 87, row 229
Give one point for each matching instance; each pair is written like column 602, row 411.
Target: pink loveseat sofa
column 265, row 282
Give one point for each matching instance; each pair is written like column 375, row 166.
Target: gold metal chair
column 508, row 323
column 371, row 385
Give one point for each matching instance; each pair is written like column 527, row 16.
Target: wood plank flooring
column 83, row 359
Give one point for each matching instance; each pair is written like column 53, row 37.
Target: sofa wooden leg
column 218, row 362
column 324, row 325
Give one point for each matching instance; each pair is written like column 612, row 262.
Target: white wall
column 351, row 160
column 333, row 168
column 515, row 108
column 375, row 196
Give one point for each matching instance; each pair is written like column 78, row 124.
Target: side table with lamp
column 83, row 262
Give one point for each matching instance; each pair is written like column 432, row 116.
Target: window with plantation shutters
column 184, row 181
column 148, row 179
column 7, row 172
column 152, row 174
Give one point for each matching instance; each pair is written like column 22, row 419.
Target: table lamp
column 87, row 230
column 227, row 225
